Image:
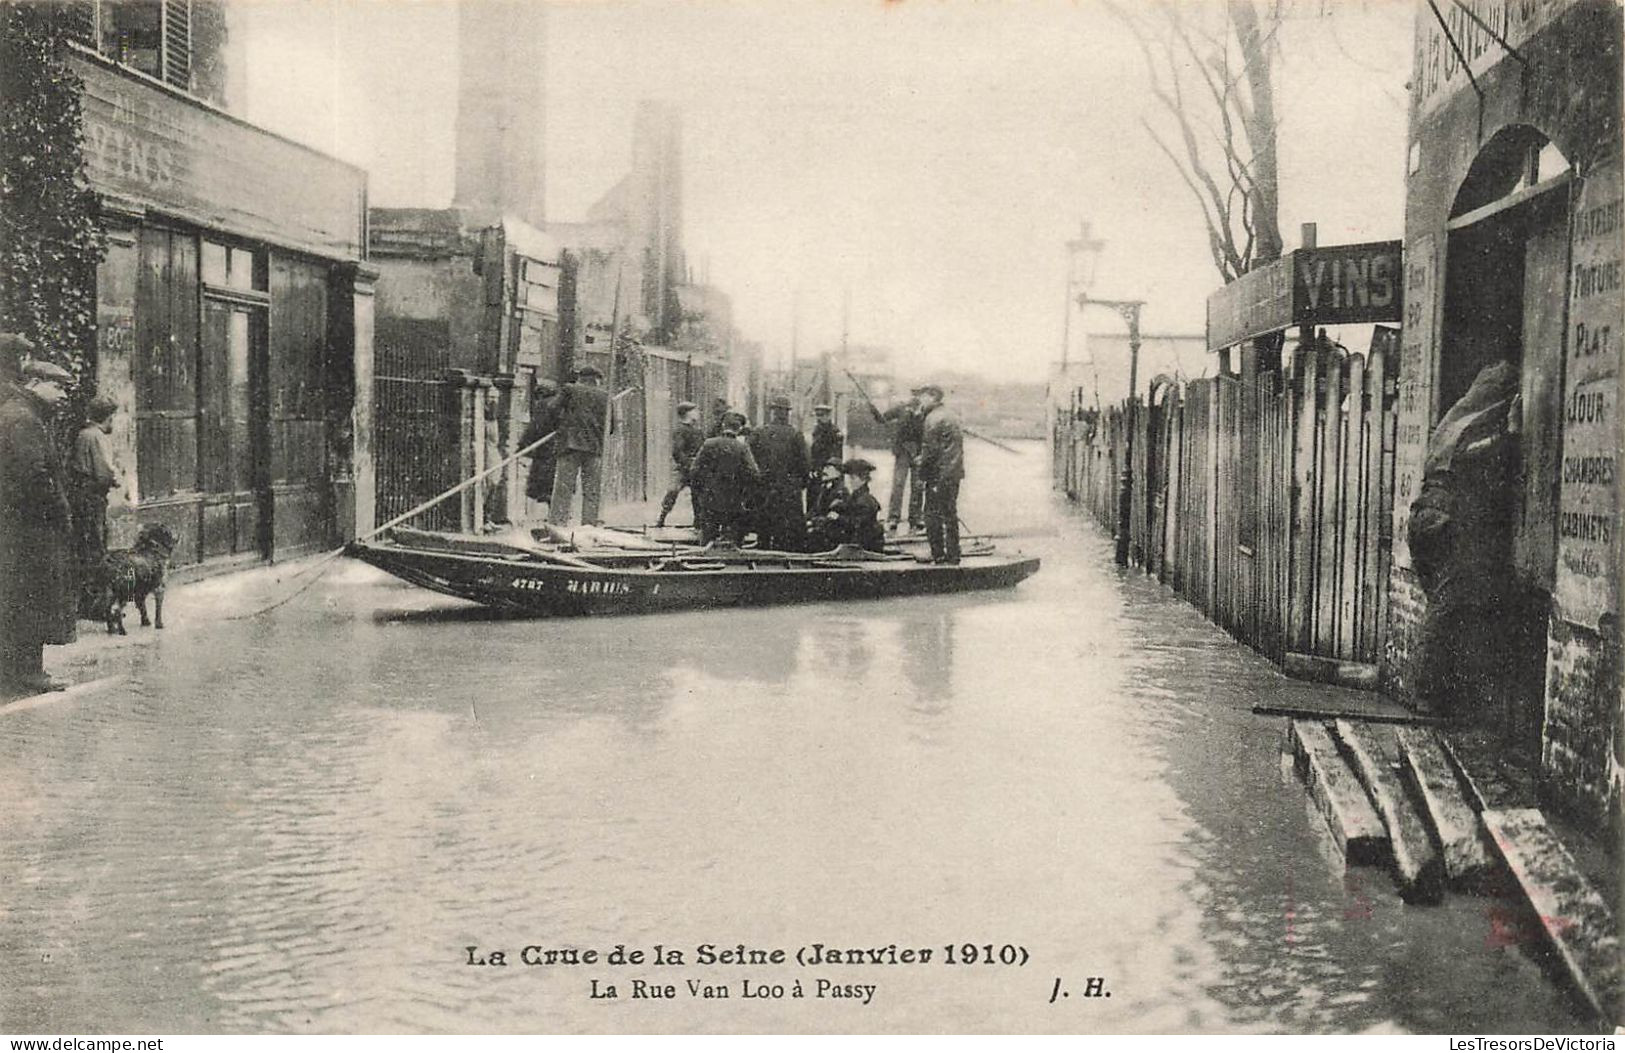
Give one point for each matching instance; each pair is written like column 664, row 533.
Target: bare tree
column 1212, row 68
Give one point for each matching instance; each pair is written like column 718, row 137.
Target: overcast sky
column 931, row 156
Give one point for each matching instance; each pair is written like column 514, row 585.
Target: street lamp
column 1082, row 254
column 1129, row 310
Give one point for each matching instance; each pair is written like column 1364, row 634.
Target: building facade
column 234, row 305
column 1512, row 252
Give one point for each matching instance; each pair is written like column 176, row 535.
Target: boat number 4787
column 578, row 587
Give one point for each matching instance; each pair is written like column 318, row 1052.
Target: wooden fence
column 1261, row 496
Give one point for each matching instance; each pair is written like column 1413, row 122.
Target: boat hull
column 544, row 588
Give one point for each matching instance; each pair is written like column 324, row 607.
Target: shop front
column 234, row 325
column 1512, row 255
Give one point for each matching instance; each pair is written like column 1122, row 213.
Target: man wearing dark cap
column 827, row 444
column 39, row 599
column 723, row 474
column 686, row 441
column 781, row 453
column 907, row 424
column 942, row 466
column 91, row 476
column 583, row 415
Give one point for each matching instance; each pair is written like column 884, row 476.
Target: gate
column 418, row 442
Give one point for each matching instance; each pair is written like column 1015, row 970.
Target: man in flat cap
column 39, row 599
column 827, row 444
column 686, row 439
column 583, row 419
column 781, row 453
column 723, row 475
column 942, row 466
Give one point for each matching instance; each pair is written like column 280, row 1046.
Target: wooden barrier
column 1261, row 496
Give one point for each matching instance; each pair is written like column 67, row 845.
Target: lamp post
column 1087, row 249
column 1130, row 312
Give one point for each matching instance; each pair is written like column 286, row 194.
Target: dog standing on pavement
column 134, row 573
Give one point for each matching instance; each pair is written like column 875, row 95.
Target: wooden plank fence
column 1263, row 497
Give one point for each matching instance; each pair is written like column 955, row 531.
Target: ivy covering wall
column 49, row 238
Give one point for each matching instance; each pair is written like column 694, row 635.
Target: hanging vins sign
column 1338, row 285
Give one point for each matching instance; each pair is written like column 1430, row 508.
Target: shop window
column 230, row 267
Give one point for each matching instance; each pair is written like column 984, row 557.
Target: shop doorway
column 1505, row 297
column 234, row 432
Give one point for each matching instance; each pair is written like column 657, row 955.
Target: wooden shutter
column 177, row 53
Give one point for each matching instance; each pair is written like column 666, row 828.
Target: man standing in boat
column 583, row 416
column 941, row 468
column 723, row 474
column 781, row 453
column 686, row 440
column 907, row 423
column 828, row 444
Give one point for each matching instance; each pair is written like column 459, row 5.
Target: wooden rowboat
column 509, row 574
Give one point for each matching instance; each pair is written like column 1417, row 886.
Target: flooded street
column 302, row 822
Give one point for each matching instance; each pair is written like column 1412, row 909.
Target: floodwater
column 303, row 822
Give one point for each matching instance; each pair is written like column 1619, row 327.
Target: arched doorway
column 1505, row 293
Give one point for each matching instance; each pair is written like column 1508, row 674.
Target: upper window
column 179, row 42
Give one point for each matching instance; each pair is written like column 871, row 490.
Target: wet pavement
column 301, row 821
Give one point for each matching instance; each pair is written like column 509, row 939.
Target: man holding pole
column 583, row 420
column 907, row 426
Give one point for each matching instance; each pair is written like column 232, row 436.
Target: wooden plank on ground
column 1454, row 821
column 1418, row 868
column 1338, row 794
column 1574, row 917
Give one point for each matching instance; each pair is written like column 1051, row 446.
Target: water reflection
column 928, row 660
column 300, row 823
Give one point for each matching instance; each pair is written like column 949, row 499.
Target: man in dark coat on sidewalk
column 723, row 474
column 39, row 599
column 1460, row 536
column 781, row 453
column 942, row 466
column 583, row 417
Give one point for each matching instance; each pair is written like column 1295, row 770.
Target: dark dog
column 132, row 573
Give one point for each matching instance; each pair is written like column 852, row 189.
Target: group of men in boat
column 767, row 480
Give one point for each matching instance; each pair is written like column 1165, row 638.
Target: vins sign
column 1338, row 285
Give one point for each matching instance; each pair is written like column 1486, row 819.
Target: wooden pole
column 609, row 377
